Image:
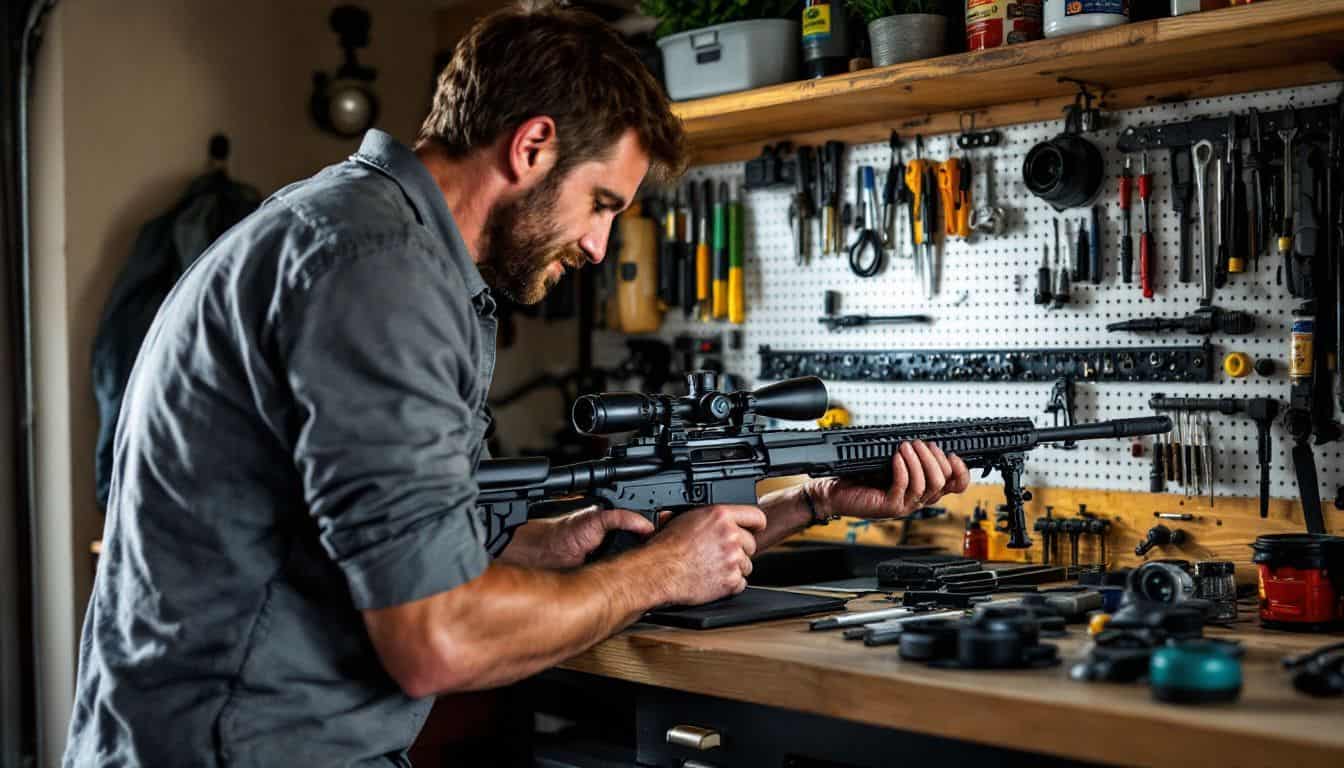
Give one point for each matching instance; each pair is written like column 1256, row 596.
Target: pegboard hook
column 971, row 138
column 961, row 122
column 1081, row 116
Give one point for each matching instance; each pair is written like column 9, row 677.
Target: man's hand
column 705, row 554
column 564, row 542
column 921, row 474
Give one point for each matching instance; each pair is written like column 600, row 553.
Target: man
column 292, row 565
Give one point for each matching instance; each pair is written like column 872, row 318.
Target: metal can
column 992, row 23
column 1301, row 357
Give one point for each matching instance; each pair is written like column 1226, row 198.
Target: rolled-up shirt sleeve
column 378, row 356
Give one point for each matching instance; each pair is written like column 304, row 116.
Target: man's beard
column 521, row 241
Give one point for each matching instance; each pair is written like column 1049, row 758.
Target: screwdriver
column 1081, row 256
column 1094, row 269
column 928, row 214
column 1177, row 453
column 806, row 204
column 828, row 201
column 835, row 151
column 1061, row 272
column 964, row 203
column 1126, row 243
column 718, row 290
column 1159, row 473
column 700, row 203
column 834, row 322
column 1238, row 218
column 668, row 266
column 1146, row 254
column 891, row 194
column 737, row 292
column 1044, row 283
column 1210, row 464
column 1221, row 231
column 921, row 233
column 1286, row 134
column 686, row 223
column 1258, row 166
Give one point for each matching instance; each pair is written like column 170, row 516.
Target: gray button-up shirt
column 297, row 444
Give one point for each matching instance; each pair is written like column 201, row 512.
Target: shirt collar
column 392, row 158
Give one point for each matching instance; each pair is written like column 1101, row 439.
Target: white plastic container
column 736, row 56
column 1067, row 17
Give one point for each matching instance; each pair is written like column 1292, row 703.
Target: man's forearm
column 510, row 623
column 786, row 513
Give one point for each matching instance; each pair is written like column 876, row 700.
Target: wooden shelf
column 1233, row 50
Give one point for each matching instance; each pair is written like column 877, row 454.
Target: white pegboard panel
column 986, row 302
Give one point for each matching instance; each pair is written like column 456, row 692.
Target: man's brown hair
column 540, row 59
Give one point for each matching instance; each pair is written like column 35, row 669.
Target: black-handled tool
column 1182, row 185
column 1203, row 322
column 836, row 322
column 1263, row 410
column 1240, row 247
column 1094, row 268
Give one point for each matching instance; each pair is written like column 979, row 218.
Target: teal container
column 1197, row 672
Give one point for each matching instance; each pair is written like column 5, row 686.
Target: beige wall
column 54, row 618
column 127, row 96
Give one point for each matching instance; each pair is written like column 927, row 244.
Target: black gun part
column 705, row 448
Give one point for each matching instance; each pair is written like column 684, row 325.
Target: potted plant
column 720, row 46
column 904, row 30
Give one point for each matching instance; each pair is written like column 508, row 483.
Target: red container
column 1301, row 580
column 992, row 23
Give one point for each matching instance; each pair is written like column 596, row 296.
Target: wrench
column 1286, row 134
column 989, row 219
column 1219, row 203
column 1203, row 152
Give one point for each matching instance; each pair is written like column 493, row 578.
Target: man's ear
column 532, row 151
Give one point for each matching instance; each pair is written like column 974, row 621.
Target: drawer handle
column 692, row 737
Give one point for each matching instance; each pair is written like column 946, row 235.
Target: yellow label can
column 817, row 21
column 1300, row 359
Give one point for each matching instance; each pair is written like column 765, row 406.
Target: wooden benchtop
column 783, row 664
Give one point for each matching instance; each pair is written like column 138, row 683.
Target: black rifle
column 705, row 448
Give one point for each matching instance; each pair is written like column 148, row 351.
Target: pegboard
column 985, row 301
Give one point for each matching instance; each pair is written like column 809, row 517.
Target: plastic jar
column 992, row 23
column 1067, row 17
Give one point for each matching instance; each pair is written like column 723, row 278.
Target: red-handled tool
column 1146, row 254
column 1126, row 242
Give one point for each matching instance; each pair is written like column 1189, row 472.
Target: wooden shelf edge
column 1032, row 110
column 1207, row 45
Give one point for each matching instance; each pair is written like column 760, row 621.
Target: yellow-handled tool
column 719, row 289
column 955, row 192
column 914, row 181
column 702, row 252
column 737, row 290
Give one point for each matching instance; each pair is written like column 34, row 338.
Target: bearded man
column 292, row 566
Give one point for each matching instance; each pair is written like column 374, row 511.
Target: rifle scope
column 792, row 400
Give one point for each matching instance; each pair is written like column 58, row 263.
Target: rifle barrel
column 1151, row 425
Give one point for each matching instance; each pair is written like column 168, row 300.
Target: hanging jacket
column 163, row 250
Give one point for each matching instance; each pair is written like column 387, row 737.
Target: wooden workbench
column 783, row 664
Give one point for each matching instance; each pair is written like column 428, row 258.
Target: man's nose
column 594, row 244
